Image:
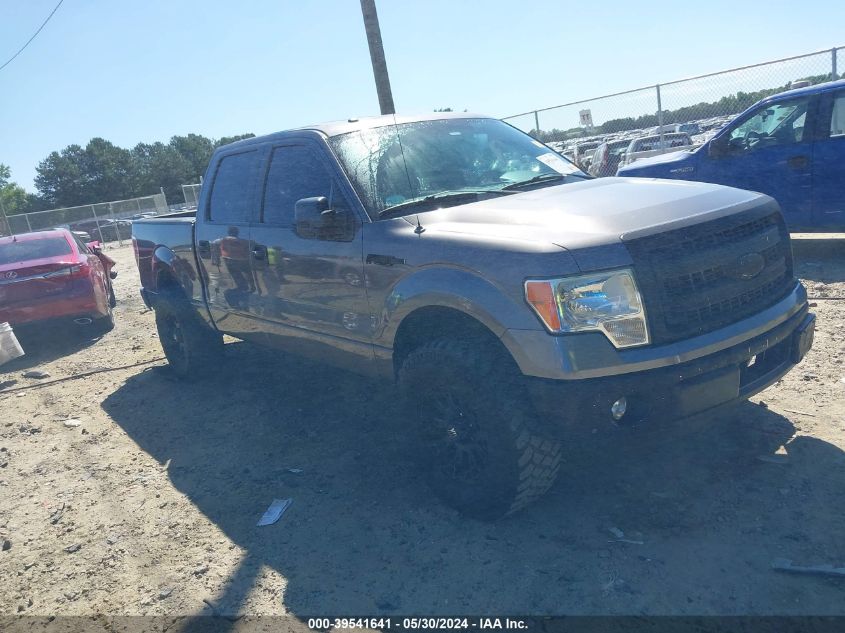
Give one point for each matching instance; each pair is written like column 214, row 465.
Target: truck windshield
column 398, row 164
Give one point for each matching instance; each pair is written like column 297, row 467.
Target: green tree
column 106, row 169
column 103, row 172
column 232, row 139
column 196, row 151
column 12, row 196
column 157, row 166
column 59, row 177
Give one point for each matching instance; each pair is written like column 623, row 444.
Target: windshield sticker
column 557, row 163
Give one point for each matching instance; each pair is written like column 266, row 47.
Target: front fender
column 457, row 288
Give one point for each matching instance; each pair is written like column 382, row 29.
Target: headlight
column 606, row 302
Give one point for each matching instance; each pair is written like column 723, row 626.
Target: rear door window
column 14, row 252
column 233, row 192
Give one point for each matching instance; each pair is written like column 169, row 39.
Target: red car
column 52, row 275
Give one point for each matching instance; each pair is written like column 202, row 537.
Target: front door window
column 775, row 124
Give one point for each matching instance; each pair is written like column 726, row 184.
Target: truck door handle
column 797, row 162
column 259, row 252
column 204, row 248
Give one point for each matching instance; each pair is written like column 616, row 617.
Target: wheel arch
column 432, row 322
column 446, row 302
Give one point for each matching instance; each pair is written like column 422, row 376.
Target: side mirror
column 315, row 220
column 312, row 215
column 718, row 147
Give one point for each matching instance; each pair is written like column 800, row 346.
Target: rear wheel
column 478, row 450
column 104, row 324
column 192, row 348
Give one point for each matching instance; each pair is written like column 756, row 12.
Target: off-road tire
column 193, row 349
column 483, row 459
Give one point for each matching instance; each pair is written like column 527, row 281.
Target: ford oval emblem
column 11, row 274
column 749, row 266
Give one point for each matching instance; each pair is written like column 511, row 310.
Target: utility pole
column 385, row 96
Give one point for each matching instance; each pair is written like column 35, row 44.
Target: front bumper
column 677, row 391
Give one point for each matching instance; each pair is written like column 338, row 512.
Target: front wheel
column 479, row 452
column 192, row 348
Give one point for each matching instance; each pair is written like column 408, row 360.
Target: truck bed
column 174, row 232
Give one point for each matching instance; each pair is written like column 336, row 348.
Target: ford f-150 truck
column 514, row 299
column 790, row 146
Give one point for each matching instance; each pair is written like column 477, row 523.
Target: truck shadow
column 701, row 511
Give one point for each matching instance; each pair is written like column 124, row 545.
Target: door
column 223, row 241
column 311, row 285
column 769, row 150
column 829, row 162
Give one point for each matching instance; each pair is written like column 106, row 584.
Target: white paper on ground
column 274, row 512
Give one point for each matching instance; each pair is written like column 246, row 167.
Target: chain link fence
column 691, row 110
column 103, row 221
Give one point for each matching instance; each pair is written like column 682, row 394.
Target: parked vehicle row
column 635, row 147
column 647, row 146
column 105, row 230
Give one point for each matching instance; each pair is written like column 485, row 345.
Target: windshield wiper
column 539, row 179
column 434, row 200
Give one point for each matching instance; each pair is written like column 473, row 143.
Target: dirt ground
column 149, row 505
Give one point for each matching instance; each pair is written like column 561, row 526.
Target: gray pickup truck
column 515, row 300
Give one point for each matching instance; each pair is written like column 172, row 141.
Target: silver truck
column 515, row 301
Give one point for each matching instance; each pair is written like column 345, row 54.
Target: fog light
column 618, row 408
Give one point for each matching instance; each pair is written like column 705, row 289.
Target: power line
column 43, row 24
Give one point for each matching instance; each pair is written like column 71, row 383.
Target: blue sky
column 132, row 71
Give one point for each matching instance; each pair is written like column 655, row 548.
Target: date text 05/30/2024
column 421, row 623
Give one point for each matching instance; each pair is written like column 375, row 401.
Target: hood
column 591, row 213
column 669, row 160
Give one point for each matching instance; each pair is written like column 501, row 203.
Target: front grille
column 689, row 277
